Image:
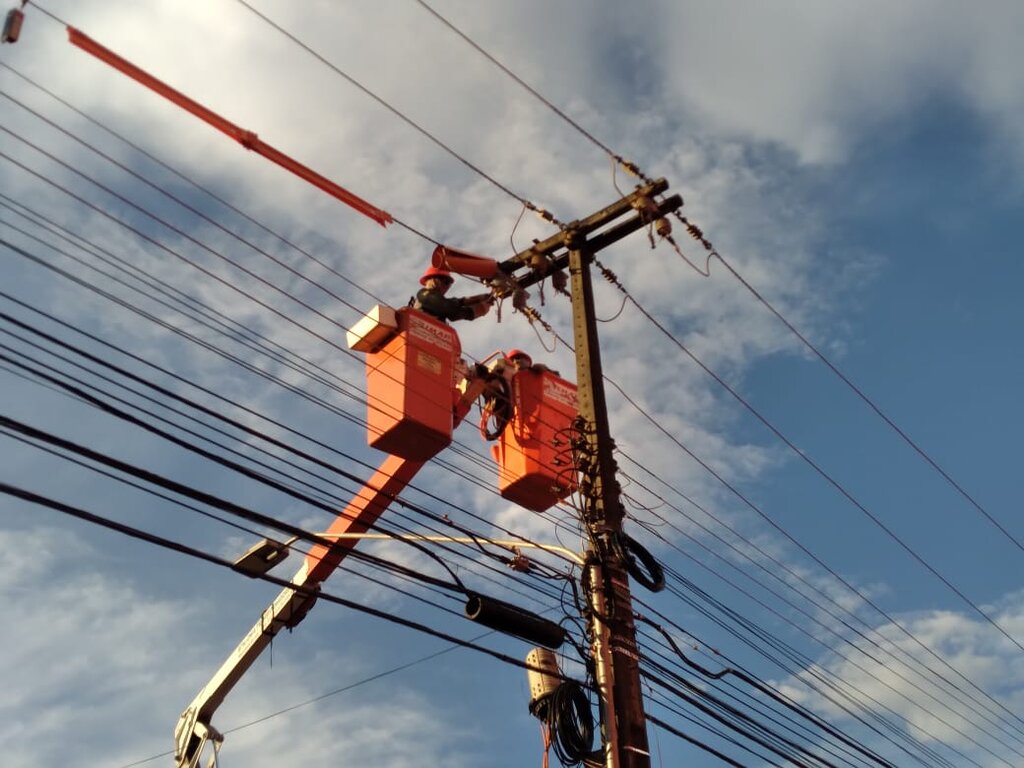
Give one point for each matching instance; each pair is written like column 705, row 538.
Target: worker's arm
column 443, row 308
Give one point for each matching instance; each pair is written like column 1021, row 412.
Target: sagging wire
column 697, row 234
column 641, row 507
column 512, row 234
column 615, row 169
column 535, row 319
column 614, row 317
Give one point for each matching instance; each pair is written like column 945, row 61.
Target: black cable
column 786, row 568
column 320, row 594
column 760, row 707
column 831, row 481
column 169, row 195
column 803, row 666
column 872, row 405
column 192, row 383
column 807, row 663
column 188, row 180
column 909, row 660
column 695, row 701
column 330, row 501
column 628, row 166
column 650, row 575
column 755, row 683
column 497, row 409
column 571, row 722
column 695, row 742
column 405, row 119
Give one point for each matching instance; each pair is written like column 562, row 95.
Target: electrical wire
column 786, row 568
column 867, row 669
column 544, row 214
column 136, row 533
column 321, row 497
column 873, row 406
column 191, row 182
column 695, row 232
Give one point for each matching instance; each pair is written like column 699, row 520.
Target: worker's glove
column 480, row 308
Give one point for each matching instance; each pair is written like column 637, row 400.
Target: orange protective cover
column 533, row 453
column 410, row 388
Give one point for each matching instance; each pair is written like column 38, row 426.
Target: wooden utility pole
column 612, row 623
column 613, row 633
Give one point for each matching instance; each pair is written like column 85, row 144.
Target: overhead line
column 751, row 504
column 872, row 405
column 192, row 182
column 628, row 166
column 169, row 195
column 242, row 427
column 325, row 498
column 403, row 117
column 843, row 746
column 830, row 479
column 859, row 650
column 697, row 234
column 257, row 433
column 184, row 549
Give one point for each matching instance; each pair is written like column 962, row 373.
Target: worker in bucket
column 431, row 298
column 510, row 363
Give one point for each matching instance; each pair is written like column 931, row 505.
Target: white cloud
column 84, row 650
column 931, row 712
column 814, row 78
column 705, row 94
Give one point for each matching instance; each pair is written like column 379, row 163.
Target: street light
column 547, row 701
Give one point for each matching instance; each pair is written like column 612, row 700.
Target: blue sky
column 860, row 165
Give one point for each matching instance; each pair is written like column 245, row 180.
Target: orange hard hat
column 512, row 354
column 436, row 272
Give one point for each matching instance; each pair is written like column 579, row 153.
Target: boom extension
column 194, row 731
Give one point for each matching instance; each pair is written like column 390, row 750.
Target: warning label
column 429, row 362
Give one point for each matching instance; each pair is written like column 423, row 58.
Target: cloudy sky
column 859, row 165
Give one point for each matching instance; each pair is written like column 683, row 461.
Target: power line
column 871, row 404
column 695, row 232
column 817, row 468
column 325, row 504
column 829, row 478
column 184, row 549
column 866, row 669
column 789, row 570
column 190, row 181
column 626, row 165
column 544, row 214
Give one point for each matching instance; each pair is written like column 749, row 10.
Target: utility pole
column 613, row 633
column 613, row 629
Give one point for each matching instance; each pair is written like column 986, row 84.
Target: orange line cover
column 247, row 139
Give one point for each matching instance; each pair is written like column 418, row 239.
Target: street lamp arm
column 509, row 544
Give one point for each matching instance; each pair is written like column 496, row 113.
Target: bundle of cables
column 497, row 409
column 566, row 712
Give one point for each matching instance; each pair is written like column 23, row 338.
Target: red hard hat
column 436, row 272
column 514, row 353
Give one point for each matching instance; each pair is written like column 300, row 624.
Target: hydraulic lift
column 419, row 391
